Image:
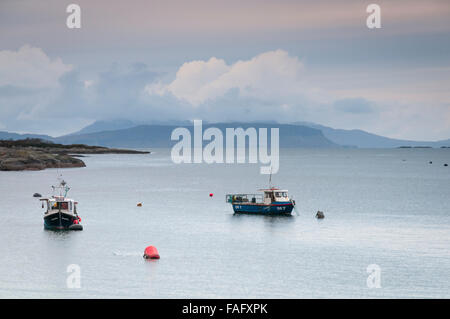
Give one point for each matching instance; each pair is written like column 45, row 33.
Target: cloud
column 40, row 94
column 271, row 86
column 354, row 105
column 269, row 75
column 275, row 86
column 76, row 101
column 30, row 67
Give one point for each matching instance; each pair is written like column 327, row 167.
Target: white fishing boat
column 61, row 211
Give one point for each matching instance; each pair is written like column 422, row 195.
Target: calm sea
column 390, row 208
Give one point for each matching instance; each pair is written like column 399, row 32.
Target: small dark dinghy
column 76, row 227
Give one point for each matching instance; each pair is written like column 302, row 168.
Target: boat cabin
column 272, row 195
column 60, row 203
column 269, row 196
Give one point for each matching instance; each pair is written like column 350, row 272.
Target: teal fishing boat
column 271, row 201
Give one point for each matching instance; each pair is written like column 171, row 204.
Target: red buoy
column 151, row 253
column 211, row 194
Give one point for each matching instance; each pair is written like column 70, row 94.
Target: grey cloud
column 114, row 94
column 7, row 91
column 354, row 105
column 119, row 93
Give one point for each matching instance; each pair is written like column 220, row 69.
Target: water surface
column 384, row 207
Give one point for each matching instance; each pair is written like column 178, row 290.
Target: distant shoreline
column 37, row 154
column 422, row 147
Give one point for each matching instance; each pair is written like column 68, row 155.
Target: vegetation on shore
column 37, row 154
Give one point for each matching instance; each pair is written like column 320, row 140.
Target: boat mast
column 270, row 178
column 62, row 187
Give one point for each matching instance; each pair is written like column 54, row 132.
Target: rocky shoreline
column 35, row 154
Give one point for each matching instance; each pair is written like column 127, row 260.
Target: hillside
column 16, row 136
column 363, row 139
column 124, row 133
column 144, row 136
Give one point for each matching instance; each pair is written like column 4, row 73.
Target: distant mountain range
column 159, row 135
column 363, row 139
column 100, row 126
column 124, row 133
column 120, row 124
column 17, row 136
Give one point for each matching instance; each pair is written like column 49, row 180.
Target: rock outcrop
column 320, row 215
column 21, row 159
column 35, row 154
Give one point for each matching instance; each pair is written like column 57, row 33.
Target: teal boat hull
column 278, row 208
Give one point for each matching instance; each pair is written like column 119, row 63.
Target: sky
column 247, row 60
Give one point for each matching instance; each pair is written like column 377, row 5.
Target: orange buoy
column 151, row 253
